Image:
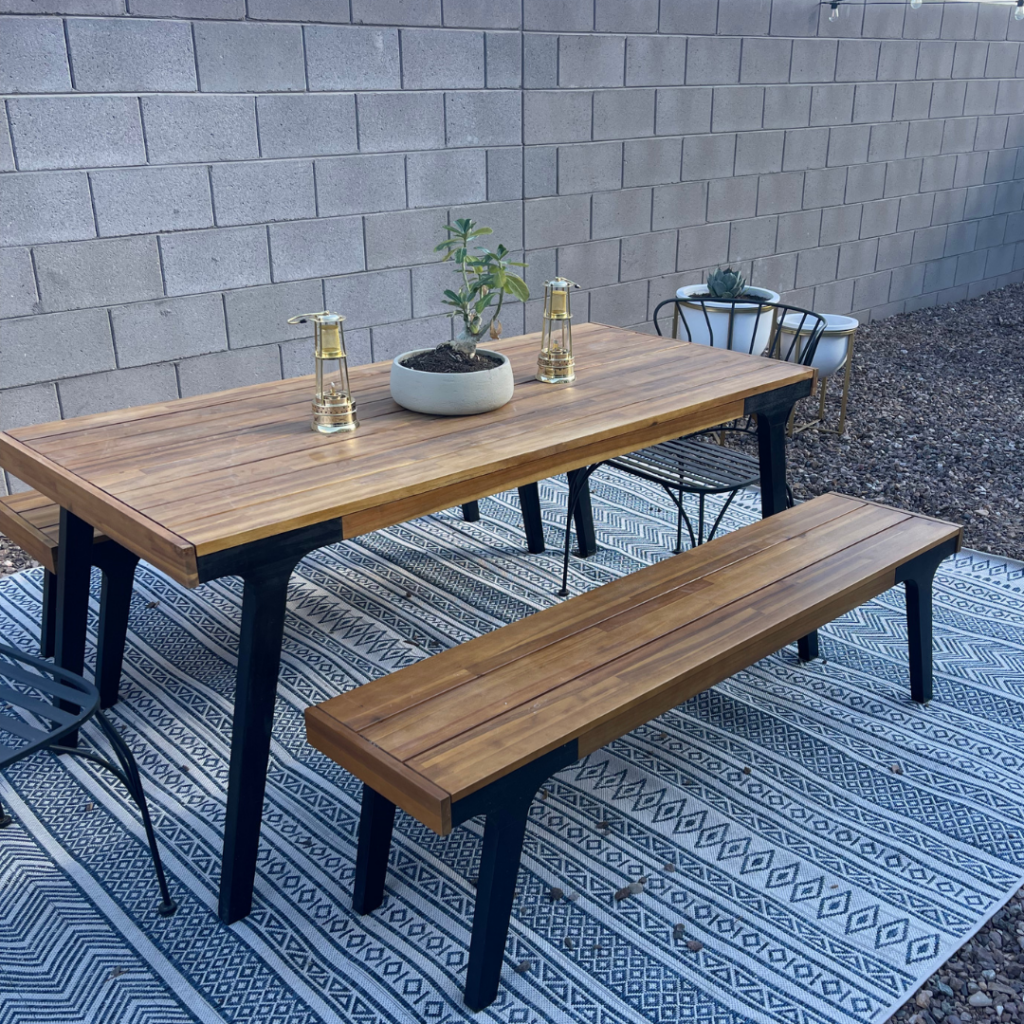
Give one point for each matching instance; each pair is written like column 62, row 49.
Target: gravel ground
column 935, row 424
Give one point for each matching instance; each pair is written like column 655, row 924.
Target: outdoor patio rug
column 826, row 842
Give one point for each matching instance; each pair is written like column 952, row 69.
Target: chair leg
column 118, row 568
column 48, row 619
column 471, row 512
column 376, row 822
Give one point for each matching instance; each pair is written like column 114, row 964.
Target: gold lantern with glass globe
column 556, row 364
column 334, row 411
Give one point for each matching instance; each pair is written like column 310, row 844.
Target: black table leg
column 471, row 511
column 529, row 502
column 583, row 515
column 376, row 822
column 118, row 567
column 74, row 559
column 48, row 619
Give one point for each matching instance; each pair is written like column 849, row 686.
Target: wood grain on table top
column 178, row 480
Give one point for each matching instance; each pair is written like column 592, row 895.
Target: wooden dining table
column 237, row 484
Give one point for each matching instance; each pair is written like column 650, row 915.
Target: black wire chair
column 701, row 463
column 33, row 693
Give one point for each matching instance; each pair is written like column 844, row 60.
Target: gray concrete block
column 589, row 167
column 379, row 297
column 428, row 285
column 780, row 193
column 732, row 198
column 824, row 187
column 712, row 60
column 492, row 118
column 396, row 12
column 392, row 340
column 840, row 224
column 889, row 141
column 219, row 9
column 912, row 102
column 651, row 162
column 117, row 389
column 895, row 250
column 683, row 111
column 816, row 266
column 306, row 125
column 541, row 268
column 446, row 177
column 749, row 239
column 939, row 274
column 390, row 122
column 775, row 272
column 623, row 113
column 330, row 11
column 540, row 61
column 765, row 61
column 61, row 7
column 17, row 283
column 1001, row 165
column 999, row 260
column 703, row 246
column 154, row 332
column 540, row 171
column 142, row 200
column 991, row 231
column 205, row 261
column 949, row 206
column 342, row 58
column 316, row 248
column 504, row 174
column 259, row 316
column 680, row 205
column 505, row 219
column 258, row 192
column 970, row 267
column 969, row 58
column 683, row 17
column 970, row 169
column 814, row 60
column 798, row 231
column 297, row 356
column 1002, row 60
column 935, row 59
column 879, row 217
column 220, row 371
column 897, row 60
column 75, row 275
column 871, row 291
column 759, row 152
column 708, row 156
column 248, row 57
column 924, row 138
column 76, row 131
column 937, row 172
column 442, row 59
column 960, row 238
column 6, row 150
column 620, row 305
column 993, row 22
column 929, row 244
column 482, row 13
column 744, row 17
column 906, row 282
column 902, row 177
column 615, row 16
column 1009, row 197
column 958, row 134
column 591, row 61
column 33, row 57
column 131, row 55
column 655, row 60
column 593, row 264
column 805, row 148
column 883, row 21
column 794, row 20
column 787, row 106
column 848, row 144
column 25, row 407
column 873, row 102
column 556, row 117
column 403, row 238
column 958, row 22
column 857, row 60
column 619, row 213
column 948, row 99
column 834, row 296
column 980, row 97
column 1015, row 130
column 45, row 207
column 40, row 348
column 503, row 53
column 991, row 132
column 186, row 129
column 648, row 255
column 565, row 15
column 865, row 182
column 915, row 211
column 848, row 27
column 739, row 108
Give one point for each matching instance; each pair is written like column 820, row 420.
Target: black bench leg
column 376, row 821
column 74, row 560
column 529, row 502
column 471, row 512
column 499, row 869
column 48, row 619
column 118, row 567
column 807, row 647
column 917, row 576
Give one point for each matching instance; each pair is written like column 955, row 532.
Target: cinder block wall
column 181, row 176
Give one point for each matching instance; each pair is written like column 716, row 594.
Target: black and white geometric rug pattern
column 826, row 841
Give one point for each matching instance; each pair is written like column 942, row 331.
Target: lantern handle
column 303, row 317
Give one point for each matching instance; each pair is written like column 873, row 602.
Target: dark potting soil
column 449, row 360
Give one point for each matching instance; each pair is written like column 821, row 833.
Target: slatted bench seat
column 478, row 729
column 32, row 521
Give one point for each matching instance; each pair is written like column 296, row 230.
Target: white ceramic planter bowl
column 746, row 322
column 833, row 345
column 451, row 394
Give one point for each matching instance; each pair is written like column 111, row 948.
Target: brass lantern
column 334, row 411
column 556, row 364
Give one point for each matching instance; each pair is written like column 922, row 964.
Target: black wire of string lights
column 835, row 5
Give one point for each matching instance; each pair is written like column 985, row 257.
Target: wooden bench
column 32, row 521
column 479, row 728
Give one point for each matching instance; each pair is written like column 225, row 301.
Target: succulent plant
column 726, row 283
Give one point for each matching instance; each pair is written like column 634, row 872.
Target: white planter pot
column 830, row 355
column 451, row 394
column 751, row 322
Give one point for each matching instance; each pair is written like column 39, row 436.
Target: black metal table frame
column 265, row 567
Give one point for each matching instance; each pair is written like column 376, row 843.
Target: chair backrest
column 755, row 327
column 39, row 704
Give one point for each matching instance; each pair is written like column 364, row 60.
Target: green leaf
column 517, row 286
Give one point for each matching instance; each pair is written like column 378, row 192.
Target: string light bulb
column 833, row 15
column 915, row 5
column 1018, row 14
